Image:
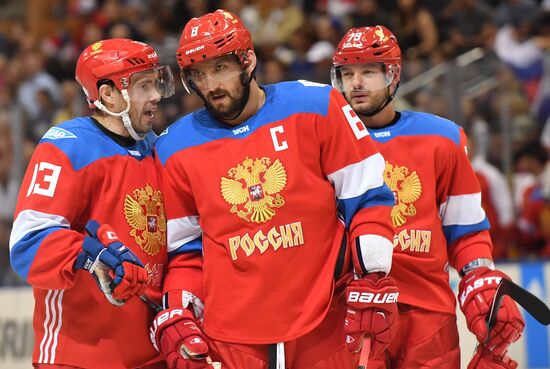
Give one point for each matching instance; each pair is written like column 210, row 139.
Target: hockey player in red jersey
column 437, row 216
column 90, row 231
column 262, row 187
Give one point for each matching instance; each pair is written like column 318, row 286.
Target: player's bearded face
column 365, row 86
column 220, row 82
column 364, row 102
column 227, row 103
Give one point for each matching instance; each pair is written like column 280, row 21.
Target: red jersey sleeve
column 355, row 167
column 42, row 245
column 183, row 231
column 464, row 221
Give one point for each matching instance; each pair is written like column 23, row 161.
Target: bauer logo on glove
column 375, row 298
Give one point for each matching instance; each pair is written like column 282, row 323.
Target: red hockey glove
column 475, row 296
column 178, row 338
column 119, row 272
column 372, row 311
column 485, row 359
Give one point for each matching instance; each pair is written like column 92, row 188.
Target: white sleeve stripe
column 462, row 210
column 358, row 178
column 182, row 230
column 30, row 220
column 376, row 253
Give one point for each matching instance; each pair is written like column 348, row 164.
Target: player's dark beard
column 237, row 105
column 227, row 112
column 377, row 102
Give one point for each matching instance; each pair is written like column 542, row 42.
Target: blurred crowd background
column 483, row 63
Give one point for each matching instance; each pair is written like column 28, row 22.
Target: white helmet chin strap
column 124, row 114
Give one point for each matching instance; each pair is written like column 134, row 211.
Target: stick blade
column 531, row 303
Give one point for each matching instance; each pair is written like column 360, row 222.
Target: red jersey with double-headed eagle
column 77, row 173
column 257, row 212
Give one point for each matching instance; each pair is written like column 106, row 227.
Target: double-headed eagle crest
column 144, row 212
column 253, row 189
column 406, row 189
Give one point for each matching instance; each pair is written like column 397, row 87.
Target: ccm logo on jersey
column 478, row 284
column 382, row 134
column 241, row 130
column 376, row 298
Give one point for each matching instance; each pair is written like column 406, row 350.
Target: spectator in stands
column 272, row 70
column 47, row 109
column 273, row 22
column 516, row 46
column 36, row 78
column 9, row 185
column 369, row 13
column 496, row 200
column 415, row 28
column 462, row 23
column 72, row 103
column 156, row 34
column 123, row 29
column 9, row 188
column 507, row 10
column 294, row 54
column 531, row 159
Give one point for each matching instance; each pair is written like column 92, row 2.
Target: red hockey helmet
column 116, row 60
column 213, row 35
column 367, row 45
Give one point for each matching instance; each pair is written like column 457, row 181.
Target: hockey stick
column 531, row 303
column 157, row 308
column 365, row 352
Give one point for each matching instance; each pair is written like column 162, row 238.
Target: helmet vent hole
column 136, row 61
column 378, row 53
column 222, row 41
column 375, row 46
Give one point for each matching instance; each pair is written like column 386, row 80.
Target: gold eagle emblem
column 406, row 189
column 381, row 36
column 144, row 212
column 253, row 187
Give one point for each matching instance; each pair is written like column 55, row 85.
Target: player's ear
column 250, row 61
column 107, row 94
